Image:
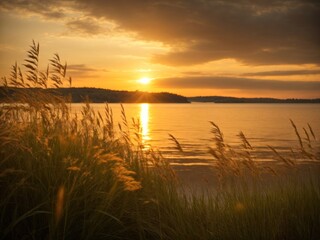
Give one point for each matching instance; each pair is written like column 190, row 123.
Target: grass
column 66, row 177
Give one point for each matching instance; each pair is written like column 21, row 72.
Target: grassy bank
column 66, row 177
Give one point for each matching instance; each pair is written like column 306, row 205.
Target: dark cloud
column 193, row 73
column 283, row 73
column 85, row 26
column 53, row 10
column 83, row 71
column 213, row 82
column 49, row 9
column 253, row 32
column 80, row 68
column 59, row 9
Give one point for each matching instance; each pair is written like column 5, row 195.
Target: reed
column 78, row 177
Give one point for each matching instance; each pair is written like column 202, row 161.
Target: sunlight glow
column 144, row 80
column 144, row 118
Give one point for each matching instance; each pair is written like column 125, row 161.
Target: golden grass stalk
column 59, row 204
column 177, row 143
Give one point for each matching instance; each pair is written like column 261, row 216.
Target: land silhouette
column 100, row 95
column 223, row 99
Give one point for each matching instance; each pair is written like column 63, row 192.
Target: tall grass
column 79, row 177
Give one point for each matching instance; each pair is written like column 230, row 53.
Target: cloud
column 252, row 32
column 218, row 82
column 193, row 73
column 64, row 11
column 86, row 26
column 49, row 9
column 264, row 32
column 83, row 71
column 80, row 68
column 283, row 73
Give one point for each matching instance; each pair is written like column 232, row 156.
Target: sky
column 241, row 48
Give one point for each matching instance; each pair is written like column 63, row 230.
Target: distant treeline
column 219, row 99
column 99, row 95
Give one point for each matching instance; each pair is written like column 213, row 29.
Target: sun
column 144, row 80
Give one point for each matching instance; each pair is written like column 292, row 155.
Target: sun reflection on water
column 144, row 119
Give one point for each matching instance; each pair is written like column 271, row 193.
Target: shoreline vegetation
column 100, row 95
column 66, row 177
column 222, row 99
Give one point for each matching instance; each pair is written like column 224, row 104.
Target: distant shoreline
column 222, row 99
column 100, row 95
column 256, row 102
column 97, row 95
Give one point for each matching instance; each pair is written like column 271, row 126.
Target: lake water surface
column 262, row 124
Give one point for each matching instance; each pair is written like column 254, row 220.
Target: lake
column 262, row 124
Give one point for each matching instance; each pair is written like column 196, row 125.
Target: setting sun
column 144, row 80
